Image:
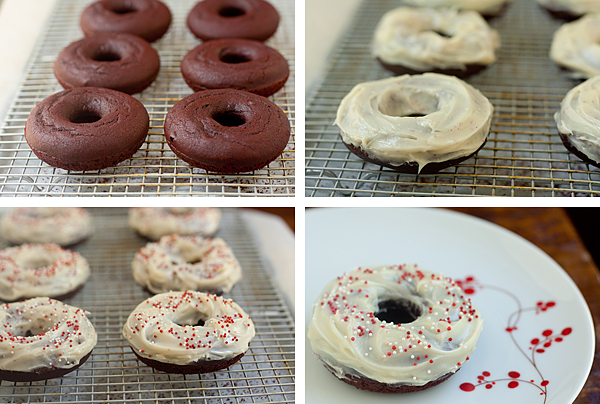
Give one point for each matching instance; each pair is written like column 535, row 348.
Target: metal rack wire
column 154, row 170
column 523, row 155
column 113, row 373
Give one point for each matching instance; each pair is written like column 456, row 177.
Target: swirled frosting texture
column 374, row 116
column 485, row 7
column 163, row 328
column 575, row 7
column 157, row 222
column 579, row 118
column 62, row 335
column 411, row 37
column 576, row 46
column 347, row 335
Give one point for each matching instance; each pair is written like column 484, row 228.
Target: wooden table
column 552, row 231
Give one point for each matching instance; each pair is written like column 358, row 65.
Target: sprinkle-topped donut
column 188, row 332
column 393, row 328
column 154, row 223
column 43, row 338
column 186, row 263
column 489, row 8
column 575, row 46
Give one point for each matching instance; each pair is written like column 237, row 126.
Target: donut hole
column 231, row 11
column 86, row 117
column 398, row 311
column 106, row 56
column 90, row 113
column 234, row 57
column 229, row 118
column 191, row 319
column 179, row 211
column 407, row 103
column 35, row 261
column 442, row 34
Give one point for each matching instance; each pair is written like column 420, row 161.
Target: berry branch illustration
column 537, row 345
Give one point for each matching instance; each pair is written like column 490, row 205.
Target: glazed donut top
column 32, row 270
column 414, row 38
column 575, row 7
column 156, row 222
column 576, row 45
column 164, row 328
column 346, row 333
column 485, row 7
column 62, row 335
column 455, row 119
column 579, row 117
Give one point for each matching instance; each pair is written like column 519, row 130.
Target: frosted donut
column 42, row 339
column 186, row 263
column 570, row 9
column 393, row 329
column 154, row 223
column 188, row 332
column 489, row 8
column 415, row 40
column 63, row 226
column 412, row 124
column 576, row 46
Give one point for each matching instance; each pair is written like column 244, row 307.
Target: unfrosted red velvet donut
column 251, row 19
column 227, row 131
column 120, row 61
column 149, row 19
column 241, row 64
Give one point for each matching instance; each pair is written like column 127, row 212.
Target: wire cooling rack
column 154, row 170
column 523, row 155
column 113, row 373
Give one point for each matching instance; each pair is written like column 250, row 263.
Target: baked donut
column 63, row 226
column 241, row 64
column 250, row 19
column 87, row 128
column 42, row 339
column 227, row 131
column 186, row 263
column 188, row 332
column 488, row 8
column 578, row 121
column 575, row 46
column 415, row 40
column 149, row 19
column 153, row 223
column 415, row 124
column 570, row 9
column 393, row 329
column 123, row 62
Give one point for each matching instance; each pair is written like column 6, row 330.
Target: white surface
column 458, row 245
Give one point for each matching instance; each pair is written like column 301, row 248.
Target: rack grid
column 113, row 373
column 154, row 170
column 523, row 156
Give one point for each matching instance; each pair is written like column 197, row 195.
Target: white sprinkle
column 366, row 354
column 412, row 357
column 429, row 372
column 394, row 352
column 370, row 348
column 414, row 377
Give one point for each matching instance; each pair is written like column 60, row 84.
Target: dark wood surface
column 552, row 231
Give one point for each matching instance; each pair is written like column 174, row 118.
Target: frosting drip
column 485, row 7
column 157, row 222
column 576, row 7
column 576, row 45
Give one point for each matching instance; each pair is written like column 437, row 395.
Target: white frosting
column 163, row 328
column 63, row 226
column 347, row 336
column 32, row 270
column 485, row 7
column 409, row 37
column 186, row 263
column 62, row 335
column 575, row 7
column 576, row 45
column 579, row 118
column 157, row 222
column 374, row 117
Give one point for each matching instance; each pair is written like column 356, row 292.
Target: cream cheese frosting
column 576, row 45
column 61, row 335
column 63, row 226
column 579, row 118
column 575, row 7
column 485, row 7
column 374, row 116
column 157, row 222
column 347, row 336
column 32, row 270
column 186, row 263
column 164, row 328
column 414, row 38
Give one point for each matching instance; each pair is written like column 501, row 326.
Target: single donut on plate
column 415, row 40
column 153, row 223
column 227, row 131
column 87, row 128
column 63, row 226
column 250, row 19
column 578, row 121
column 487, row 8
column 380, row 328
column 42, row 339
column 188, row 332
column 415, row 124
column 120, row 61
column 241, row 64
column 575, row 47
column 186, row 263
column 570, row 9
column 149, row 19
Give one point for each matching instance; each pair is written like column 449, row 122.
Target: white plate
column 508, row 271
